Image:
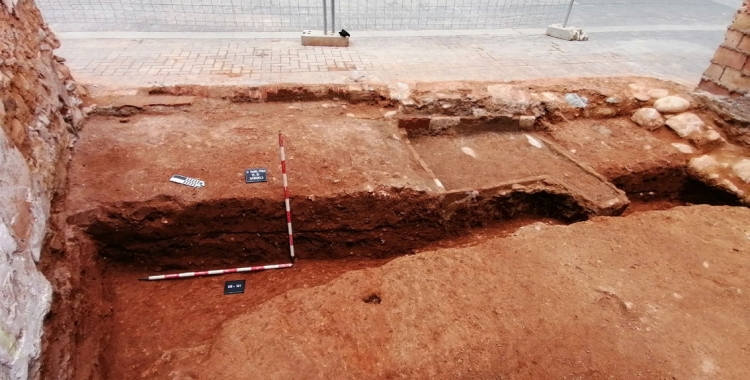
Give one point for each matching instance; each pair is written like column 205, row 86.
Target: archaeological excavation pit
column 372, row 177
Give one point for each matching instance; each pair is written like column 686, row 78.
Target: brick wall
column 729, row 72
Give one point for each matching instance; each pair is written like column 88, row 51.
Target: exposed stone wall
column 39, row 114
column 729, row 72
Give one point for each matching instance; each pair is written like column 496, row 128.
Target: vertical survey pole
column 286, row 196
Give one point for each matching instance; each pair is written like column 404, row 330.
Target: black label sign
column 255, row 175
column 234, row 287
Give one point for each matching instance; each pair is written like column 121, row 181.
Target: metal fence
column 448, row 14
column 296, row 15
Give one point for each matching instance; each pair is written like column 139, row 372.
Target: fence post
column 333, row 17
column 325, row 18
column 567, row 14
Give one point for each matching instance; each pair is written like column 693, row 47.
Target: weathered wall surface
column 39, row 111
column 728, row 79
column 729, row 72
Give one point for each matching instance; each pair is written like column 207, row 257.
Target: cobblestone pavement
column 679, row 55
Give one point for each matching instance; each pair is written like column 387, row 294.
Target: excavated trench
column 162, row 234
column 368, row 225
column 122, row 242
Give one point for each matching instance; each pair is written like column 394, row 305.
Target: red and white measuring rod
column 286, row 195
column 214, row 272
column 247, row 269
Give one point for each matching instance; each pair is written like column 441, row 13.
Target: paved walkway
column 679, row 53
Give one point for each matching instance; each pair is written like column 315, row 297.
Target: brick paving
column 679, row 55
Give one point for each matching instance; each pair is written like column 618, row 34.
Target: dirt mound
column 586, row 300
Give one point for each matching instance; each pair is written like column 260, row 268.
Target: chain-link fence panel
column 182, row 15
column 295, row 15
column 448, row 14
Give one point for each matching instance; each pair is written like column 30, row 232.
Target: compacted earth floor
column 573, row 250
column 657, row 295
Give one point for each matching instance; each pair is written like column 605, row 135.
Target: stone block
column 568, row 33
column 732, row 39
column 714, row 72
column 648, row 118
column 742, row 170
column 734, row 78
column 658, row 93
column 683, row 148
column 686, row 124
column 402, row 93
column 729, row 58
column 526, row 122
column 399, row 91
column 744, row 44
column 741, row 22
column 320, row 38
column 671, row 104
column 508, row 99
column 704, row 139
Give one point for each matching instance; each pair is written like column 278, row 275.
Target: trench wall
column 39, row 114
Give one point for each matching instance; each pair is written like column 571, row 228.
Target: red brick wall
column 729, row 72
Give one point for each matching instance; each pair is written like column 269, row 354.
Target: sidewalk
column 669, row 52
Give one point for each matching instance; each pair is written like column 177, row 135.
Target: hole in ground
column 670, row 188
column 697, row 192
column 372, row 298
